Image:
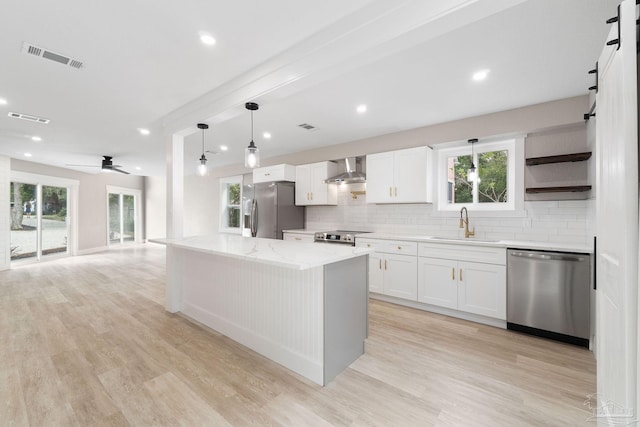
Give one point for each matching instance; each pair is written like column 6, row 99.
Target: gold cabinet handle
column 298, row 238
column 385, row 264
column 390, row 194
column 399, row 248
column 380, row 263
column 396, row 191
column 461, row 275
column 368, row 245
column 312, row 195
column 453, row 273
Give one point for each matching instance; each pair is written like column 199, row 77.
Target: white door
column 303, row 188
column 376, row 273
column 380, row 178
column 617, row 218
column 319, row 190
column 410, row 175
column 401, row 276
column 482, row 289
column 437, row 282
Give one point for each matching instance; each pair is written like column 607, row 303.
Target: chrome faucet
column 464, row 223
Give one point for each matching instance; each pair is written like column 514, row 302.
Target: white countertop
column 547, row 246
column 295, row 255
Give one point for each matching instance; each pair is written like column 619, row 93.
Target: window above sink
column 498, row 184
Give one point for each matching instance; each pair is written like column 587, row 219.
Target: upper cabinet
column 402, row 176
column 282, row 172
column 310, row 188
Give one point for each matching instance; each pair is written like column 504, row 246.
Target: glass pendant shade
column 202, row 167
column 252, row 156
column 472, row 172
column 251, row 153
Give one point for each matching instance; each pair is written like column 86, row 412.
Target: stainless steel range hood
column 353, row 173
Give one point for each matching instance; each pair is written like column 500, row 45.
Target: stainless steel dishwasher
column 548, row 294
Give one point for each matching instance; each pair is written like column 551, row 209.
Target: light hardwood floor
column 86, row 341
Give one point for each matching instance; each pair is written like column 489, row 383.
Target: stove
column 337, row 236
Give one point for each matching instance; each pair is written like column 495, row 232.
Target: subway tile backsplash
column 569, row 221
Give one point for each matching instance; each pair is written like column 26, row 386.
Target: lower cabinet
column 437, row 282
column 461, row 278
column 393, row 268
column 467, row 286
column 472, row 287
column 393, row 275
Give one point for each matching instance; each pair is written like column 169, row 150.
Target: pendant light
column 472, row 173
column 251, row 153
column 202, row 167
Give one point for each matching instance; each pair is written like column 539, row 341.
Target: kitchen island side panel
column 346, row 305
column 275, row 311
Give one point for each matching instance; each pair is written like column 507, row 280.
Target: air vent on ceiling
column 29, row 117
column 53, row 56
column 307, row 126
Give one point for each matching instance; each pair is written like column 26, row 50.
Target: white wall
column 92, row 199
column 5, row 217
column 155, row 218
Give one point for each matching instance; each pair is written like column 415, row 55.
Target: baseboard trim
column 92, row 250
column 498, row 323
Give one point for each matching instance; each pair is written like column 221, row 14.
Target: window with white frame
column 495, row 185
column 230, row 204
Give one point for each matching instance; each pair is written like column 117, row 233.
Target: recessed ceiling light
column 362, row 108
column 480, row 75
column 266, row 135
column 207, row 39
column 223, row 148
column 144, row 131
column 36, row 138
column 27, row 154
column 138, row 168
column 3, row 101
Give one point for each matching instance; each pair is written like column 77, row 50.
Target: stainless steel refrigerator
column 270, row 208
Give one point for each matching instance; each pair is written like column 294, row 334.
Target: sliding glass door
column 39, row 225
column 123, row 215
column 54, row 220
column 24, row 220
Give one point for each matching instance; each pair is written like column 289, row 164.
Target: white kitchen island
column 303, row 305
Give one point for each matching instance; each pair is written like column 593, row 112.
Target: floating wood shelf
column 567, row 189
column 562, row 158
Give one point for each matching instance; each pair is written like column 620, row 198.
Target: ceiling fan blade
column 120, row 170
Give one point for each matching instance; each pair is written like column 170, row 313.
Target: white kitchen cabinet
column 282, row 172
column 297, row 237
column 393, row 268
column 376, row 273
column 310, row 188
column 437, row 282
column 449, row 276
column 402, row 176
column 482, row 289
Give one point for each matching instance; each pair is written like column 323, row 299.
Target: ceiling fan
column 107, row 165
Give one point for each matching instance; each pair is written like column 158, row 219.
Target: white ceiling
column 303, row 61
